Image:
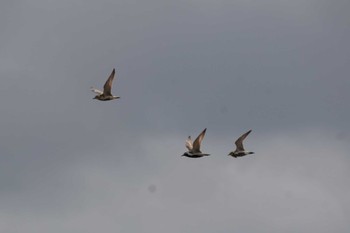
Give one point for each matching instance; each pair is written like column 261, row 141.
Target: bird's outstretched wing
column 239, row 141
column 96, row 91
column 189, row 145
column 198, row 141
column 108, row 85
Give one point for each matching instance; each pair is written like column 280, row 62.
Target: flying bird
column 240, row 151
column 106, row 94
column 194, row 148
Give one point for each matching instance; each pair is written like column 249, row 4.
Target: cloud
column 71, row 164
column 295, row 181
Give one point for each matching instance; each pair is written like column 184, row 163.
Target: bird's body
column 106, row 94
column 103, row 97
column 194, row 148
column 240, row 151
column 194, row 155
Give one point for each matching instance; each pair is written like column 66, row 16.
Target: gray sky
column 72, row 164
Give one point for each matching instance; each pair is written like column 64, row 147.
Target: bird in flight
column 106, row 94
column 240, row 151
column 194, row 148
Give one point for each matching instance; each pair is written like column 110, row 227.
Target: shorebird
column 106, row 93
column 194, row 149
column 239, row 152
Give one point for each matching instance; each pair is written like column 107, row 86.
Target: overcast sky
column 72, row 164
